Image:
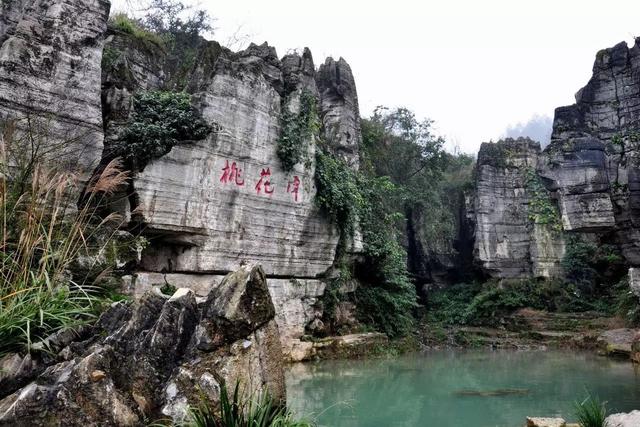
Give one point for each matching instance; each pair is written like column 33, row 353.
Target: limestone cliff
column 207, row 206
column 589, row 173
column 510, row 240
column 50, row 54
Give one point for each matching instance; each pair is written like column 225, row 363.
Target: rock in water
column 149, row 359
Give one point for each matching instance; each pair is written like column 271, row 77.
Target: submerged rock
column 152, row 358
column 494, row 393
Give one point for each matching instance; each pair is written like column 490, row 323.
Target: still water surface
column 439, row 389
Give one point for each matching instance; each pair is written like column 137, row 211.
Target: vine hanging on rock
column 296, row 131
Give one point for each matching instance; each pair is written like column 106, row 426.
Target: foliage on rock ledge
column 297, row 129
column 159, row 121
column 541, row 209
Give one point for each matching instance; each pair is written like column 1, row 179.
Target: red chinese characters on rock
column 293, row 187
column 265, row 182
column 231, row 174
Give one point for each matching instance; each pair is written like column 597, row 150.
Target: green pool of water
column 438, row 389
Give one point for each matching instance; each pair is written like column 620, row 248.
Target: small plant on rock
column 591, row 412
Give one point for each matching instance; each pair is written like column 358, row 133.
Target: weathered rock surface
column 296, row 301
column 617, row 342
column 590, row 168
column 508, row 243
column 207, row 206
column 591, row 163
column 631, row 419
column 148, row 359
column 545, row 422
column 211, row 204
column 50, row 54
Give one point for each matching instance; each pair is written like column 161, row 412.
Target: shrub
column 386, row 296
column 626, row 303
column 148, row 39
column 577, row 262
column 159, row 121
column 591, row 412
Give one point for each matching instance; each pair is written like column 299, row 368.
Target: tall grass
column 591, row 412
column 42, row 233
column 236, row 411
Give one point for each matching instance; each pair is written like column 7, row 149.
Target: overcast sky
column 475, row 67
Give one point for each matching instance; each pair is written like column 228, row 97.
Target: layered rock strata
column 50, row 56
column 209, row 205
column 590, row 169
column 510, row 241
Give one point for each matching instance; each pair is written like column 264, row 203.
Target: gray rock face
column 50, row 54
column 590, row 168
column 508, row 242
column 592, row 162
column 148, row 359
column 210, row 205
column 339, row 107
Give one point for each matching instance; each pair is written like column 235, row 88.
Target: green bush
column 123, row 23
column 159, row 121
column 386, row 298
column 577, row 261
column 487, row 303
column 297, row 130
column 626, row 303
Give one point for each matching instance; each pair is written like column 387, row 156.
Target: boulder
column 616, row 342
column 631, row 419
column 545, row 422
column 148, row 359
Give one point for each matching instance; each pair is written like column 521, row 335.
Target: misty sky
column 475, row 67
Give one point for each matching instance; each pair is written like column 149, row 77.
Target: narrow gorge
column 261, row 221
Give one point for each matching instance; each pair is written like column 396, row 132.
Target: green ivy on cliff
column 297, row 129
column 541, row 209
column 386, row 296
column 159, row 121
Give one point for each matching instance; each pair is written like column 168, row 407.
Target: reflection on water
column 458, row 389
